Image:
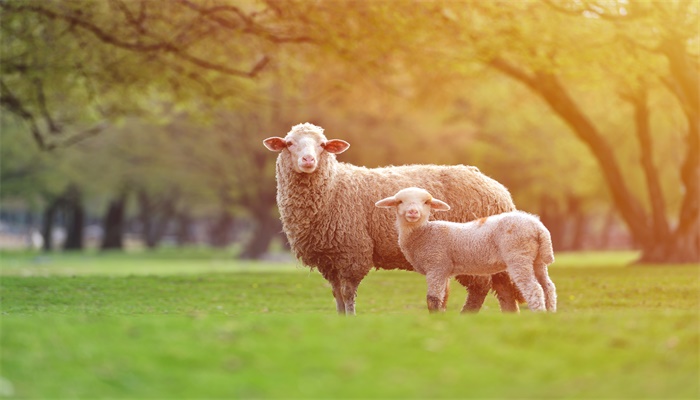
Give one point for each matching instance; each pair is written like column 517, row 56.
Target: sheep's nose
column 413, row 213
column 308, row 160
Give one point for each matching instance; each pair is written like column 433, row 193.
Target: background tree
column 97, row 54
column 402, row 81
column 569, row 54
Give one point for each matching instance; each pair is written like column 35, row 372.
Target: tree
column 680, row 75
column 561, row 52
column 68, row 66
column 621, row 77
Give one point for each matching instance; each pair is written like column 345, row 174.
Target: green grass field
column 197, row 324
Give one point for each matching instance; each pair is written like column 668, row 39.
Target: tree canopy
column 555, row 98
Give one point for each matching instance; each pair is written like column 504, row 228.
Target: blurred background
column 136, row 124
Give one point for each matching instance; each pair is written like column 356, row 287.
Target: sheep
column 328, row 214
column 515, row 241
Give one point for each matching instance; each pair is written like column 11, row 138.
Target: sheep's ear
column 275, row 143
column 439, row 205
column 387, row 203
column 336, row 146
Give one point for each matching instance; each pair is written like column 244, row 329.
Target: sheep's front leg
column 331, row 275
column 349, row 287
column 437, row 291
column 338, row 295
column 443, row 303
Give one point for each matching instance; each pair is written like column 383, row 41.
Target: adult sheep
column 328, row 213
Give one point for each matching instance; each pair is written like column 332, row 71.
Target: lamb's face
column 413, row 205
column 304, row 144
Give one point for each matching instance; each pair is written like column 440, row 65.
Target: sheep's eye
column 290, row 144
column 427, row 202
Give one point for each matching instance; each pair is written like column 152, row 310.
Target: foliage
column 499, row 84
column 620, row 332
column 581, row 59
column 71, row 68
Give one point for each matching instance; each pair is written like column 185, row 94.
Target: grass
column 199, row 325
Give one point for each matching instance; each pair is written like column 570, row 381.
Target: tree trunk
column 607, row 230
column 683, row 245
column 578, row 225
column 113, row 223
column 551, row 217
column 155, row 215
column 266, row 228
column 660, row 226
column 75, row 212
column 679, row 246
column 220, row 232
column 184, row 229
column 677, row 249
column 47, row 224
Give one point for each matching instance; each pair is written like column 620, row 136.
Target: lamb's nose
column 308, row 159
column 412, row 213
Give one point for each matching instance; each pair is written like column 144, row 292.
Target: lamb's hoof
column 433, row 304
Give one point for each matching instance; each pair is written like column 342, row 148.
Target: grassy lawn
column 197, row 324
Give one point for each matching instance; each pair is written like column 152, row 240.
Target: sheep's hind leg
column 477, row 289
column 550, row 291
column 522, row 273
column 507, row 294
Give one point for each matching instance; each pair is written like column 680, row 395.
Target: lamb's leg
column 437, row 288
column 477, row 289
column 550, row 291
column 443, row 303
column 507, row 294
column 522, row 273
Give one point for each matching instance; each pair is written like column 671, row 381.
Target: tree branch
column 251, row 26
column 595, row 9
column 555, row 95
column 80, row 136
column 159, row 46
column 12, row 104
column 41, row 99
column 639, row 102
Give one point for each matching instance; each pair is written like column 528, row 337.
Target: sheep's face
column 413, row 205
column 304, row 144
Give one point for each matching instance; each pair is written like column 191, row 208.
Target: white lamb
column 516, row 242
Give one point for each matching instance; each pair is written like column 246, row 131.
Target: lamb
column 516, row 242
column 328, row 214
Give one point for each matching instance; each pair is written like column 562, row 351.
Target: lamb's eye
column 290, row 144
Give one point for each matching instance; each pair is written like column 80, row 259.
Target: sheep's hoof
column 434, row 304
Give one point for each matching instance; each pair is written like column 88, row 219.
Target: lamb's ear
column 336, row 146
column 387, row 203
column 275, row 143
column 439, row 205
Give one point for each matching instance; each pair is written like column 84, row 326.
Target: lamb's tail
column 546, row 252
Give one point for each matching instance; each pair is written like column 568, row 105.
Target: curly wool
column 331, row 222
column 515, row 241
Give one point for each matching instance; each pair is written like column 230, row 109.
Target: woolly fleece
column 516, row 242
column 331, row 222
